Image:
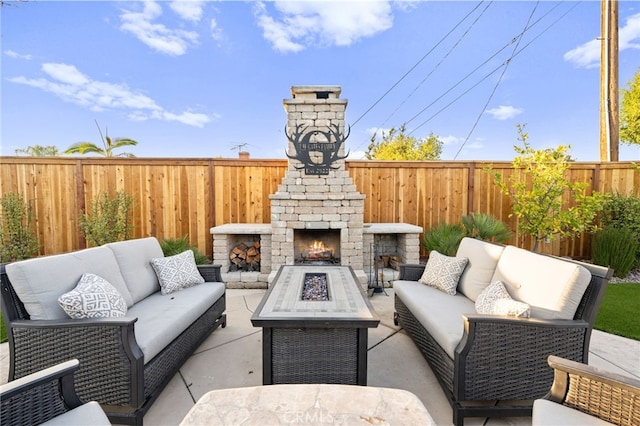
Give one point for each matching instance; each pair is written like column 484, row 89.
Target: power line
column 512, row 41
column 462, row 37
column 415, row 65
column 514, row 54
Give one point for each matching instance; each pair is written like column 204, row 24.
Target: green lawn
column 3, row 331
column 619, row 311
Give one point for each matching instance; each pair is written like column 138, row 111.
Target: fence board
column 177, row 197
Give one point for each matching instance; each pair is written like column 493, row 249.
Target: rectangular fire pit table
column 315, row 341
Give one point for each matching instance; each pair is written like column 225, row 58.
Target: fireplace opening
column 317, row 247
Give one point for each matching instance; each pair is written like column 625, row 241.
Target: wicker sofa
column 482, row 361
column 48, row 396
column 587, row 396
column 125, row 361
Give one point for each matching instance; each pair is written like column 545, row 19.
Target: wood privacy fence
column 177, row 197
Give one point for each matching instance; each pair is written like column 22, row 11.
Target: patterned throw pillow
column 177, row 272
column 93, row 297
column 495, row 300
column 443, row 272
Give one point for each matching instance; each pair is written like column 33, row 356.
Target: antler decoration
column 299, row 137
column 328, row 151
column 334, row 130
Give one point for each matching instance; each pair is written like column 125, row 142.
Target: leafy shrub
column 485, row 227
column 615, row 248
column 623, row 212
column 444, row 238
column 173, row 246
column 109, row 219
column 17, row 239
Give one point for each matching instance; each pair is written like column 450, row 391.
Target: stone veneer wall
column 316, row 201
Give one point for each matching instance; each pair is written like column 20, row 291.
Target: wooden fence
column 177, row 197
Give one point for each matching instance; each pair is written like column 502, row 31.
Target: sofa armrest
column 111, row 362
column 210, row 273
column 603, row 394
column 503, row 357
column 38, row 397
column 410, row 272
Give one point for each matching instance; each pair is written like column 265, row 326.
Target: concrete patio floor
column 232, row 357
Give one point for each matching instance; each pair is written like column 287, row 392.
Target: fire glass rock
column 315, row 287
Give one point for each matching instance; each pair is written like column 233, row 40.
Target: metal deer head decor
column 317, row 156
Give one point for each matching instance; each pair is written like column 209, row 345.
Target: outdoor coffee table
column 315, row 341
column 306, row 404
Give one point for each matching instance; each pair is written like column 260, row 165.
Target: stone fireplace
column 316, row 194
column 317, row 213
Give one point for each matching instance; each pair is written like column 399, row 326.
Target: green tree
column 109, row 220
column 546, row 203
column 399, row 146
column 39, row 151
column 108, row 146
column 17, row 238
column 630, row 112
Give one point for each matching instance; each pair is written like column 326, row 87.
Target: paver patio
column 232, row 357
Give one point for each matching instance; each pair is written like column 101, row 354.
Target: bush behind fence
column 177, row 197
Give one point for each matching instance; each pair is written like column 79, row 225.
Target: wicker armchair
column 595, row 392
column 46, row 396
column 503, row 358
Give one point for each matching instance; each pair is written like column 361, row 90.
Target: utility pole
column 609, row 98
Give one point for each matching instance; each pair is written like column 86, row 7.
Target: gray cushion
column 483, row 258
column 495, row 300
column 443, row 272
column 134, row 256
column 548, row 413
column 162, row 318
column 89, row 414
column 439, row 313
column 177, row 272
column 552, row 287
column 41, row 280
column 93, row 297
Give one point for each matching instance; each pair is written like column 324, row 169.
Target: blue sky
column 199, row 78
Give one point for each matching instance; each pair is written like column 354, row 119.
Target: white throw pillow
column 495, row 300
column 176, row 272
column 93, row 297
column 443, row 272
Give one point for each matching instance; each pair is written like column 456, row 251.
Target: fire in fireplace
column 317, row 251
column 317, row 247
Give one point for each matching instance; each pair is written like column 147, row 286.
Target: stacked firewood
column 245, row 257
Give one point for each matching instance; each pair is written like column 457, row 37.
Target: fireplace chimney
column 317, row 192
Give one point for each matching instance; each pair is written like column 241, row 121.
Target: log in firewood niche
column 245, row 257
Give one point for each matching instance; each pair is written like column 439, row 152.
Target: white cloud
column 451, row 140
column 71, row 85
column 157, row 36
column 315, row 23
column 587, row 55
column 216, row 32
column 16, row 55
column 188, row 10
column 504, row 112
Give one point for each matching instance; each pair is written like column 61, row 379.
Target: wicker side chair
column 48, row 396
column 597, row 393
